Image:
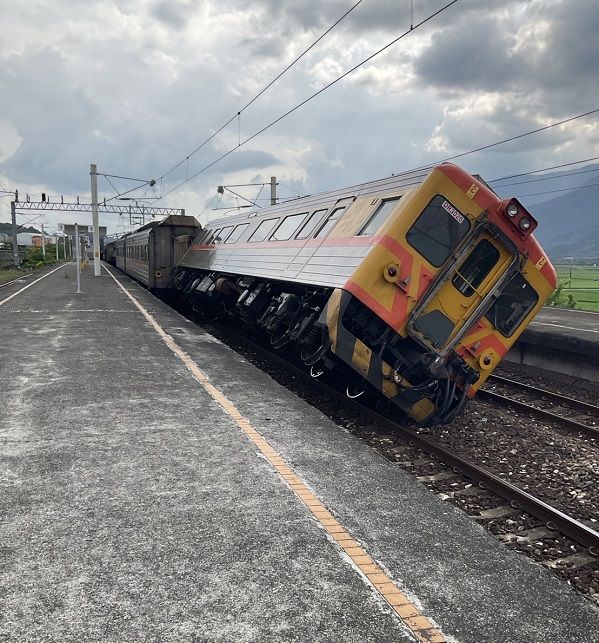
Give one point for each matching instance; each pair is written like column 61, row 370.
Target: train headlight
column 524, row 223
column 512, row 210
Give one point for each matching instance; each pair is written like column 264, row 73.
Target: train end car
column 150, row 253
column 415, row 285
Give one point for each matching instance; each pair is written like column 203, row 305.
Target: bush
column 558, row 298
column 34, row 257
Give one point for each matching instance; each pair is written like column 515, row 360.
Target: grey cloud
column 472, row 58
column 266, row 46
column 175, row 13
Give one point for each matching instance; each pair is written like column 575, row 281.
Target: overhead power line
column 255, row 98
column 547, row 178
column 307, row 100
column 513, row 138
column 545, row 169
column 579, row 187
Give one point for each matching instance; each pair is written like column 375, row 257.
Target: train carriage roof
column 395, row 182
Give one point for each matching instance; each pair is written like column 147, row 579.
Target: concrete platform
column 136, row 507
column 561, row 340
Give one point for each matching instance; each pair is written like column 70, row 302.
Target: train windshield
column 438, row 230
column 470, row 275
column 513, row 305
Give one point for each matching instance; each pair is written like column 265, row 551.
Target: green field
column 582, row 282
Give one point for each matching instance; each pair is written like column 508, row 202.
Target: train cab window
column 513, row 305
column 223, row 234
column 438, row 230
column 263, row 230
column 236, row 234
column 287, row 227
column 470, row 275
column 379, row 216
column 330, row 222
column 308, row 228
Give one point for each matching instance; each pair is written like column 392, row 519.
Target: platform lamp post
column 93, row 171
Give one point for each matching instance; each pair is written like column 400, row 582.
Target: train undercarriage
column 329, row 329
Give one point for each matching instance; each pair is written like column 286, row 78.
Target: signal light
column 512, row 210
column 524, row 223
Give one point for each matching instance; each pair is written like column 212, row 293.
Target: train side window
column 308, row 228
column 223, row 234
column 470, row 275
column 212, row 236
column 287, row 227
column 379, row 216
column 438, row 230
column 513, row 305
column 263, row 230
column 330, row 222
column 239, row 230
column 146, row 254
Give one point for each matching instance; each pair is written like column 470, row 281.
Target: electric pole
column 273, row 190
column 96, row 225
column 15, row 238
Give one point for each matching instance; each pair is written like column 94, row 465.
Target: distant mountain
column 568, row 222
column 6, row 228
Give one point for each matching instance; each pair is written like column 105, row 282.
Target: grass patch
column 581, row 283
column 12, row 273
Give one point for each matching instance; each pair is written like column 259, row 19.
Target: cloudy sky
column 136, row 85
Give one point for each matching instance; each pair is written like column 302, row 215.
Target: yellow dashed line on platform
column 411, row 616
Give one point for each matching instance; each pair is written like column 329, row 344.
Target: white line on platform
column 3, row 301
column 581, row 330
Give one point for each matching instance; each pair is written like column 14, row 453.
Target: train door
column 451, row 306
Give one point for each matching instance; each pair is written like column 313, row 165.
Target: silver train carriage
column 150, row 253
column 417, row 284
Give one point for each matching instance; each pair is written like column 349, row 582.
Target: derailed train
column 416, row 285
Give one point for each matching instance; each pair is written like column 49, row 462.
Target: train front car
column 453, row 279
column 417, row 284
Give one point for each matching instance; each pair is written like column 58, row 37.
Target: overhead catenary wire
column 240, row 196
column 511, row 138
column 546, row 178
column 312, row 96
column 262, row 91
column 545, row 169
column 579, row 187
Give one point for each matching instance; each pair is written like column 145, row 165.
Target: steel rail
column 564, row 400
column 542, row 414
column 552, row 517
column 7, row 283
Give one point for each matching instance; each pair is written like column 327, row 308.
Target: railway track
column 524, row 522
column 516, row 498
column 566, row 412
column 8, row 283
